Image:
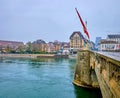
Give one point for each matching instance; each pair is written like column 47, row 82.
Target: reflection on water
column 87, row 93
column 40, row 78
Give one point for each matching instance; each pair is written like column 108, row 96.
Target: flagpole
column 84, row 27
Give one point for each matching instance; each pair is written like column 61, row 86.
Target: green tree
column 29, row 47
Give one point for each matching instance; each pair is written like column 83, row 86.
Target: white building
column 114, row 37
column 112, row 43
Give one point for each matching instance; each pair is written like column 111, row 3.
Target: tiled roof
column 114, row 36
column 10, row 43
column 4, row 41
column 78, row 32
column 108, row 42
column 39, row 41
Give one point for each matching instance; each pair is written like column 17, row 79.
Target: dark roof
column 5, row 41
column 114, row 36
column 108, row 42
column 39, row 41
column 12, row 44
column 79, row 33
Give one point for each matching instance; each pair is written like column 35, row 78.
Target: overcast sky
column 29, row 20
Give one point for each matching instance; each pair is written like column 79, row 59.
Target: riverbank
column 34, row 55
column 27, row 55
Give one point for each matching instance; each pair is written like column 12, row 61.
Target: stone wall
column 108, row 74
column 84, row 75
column 95, row 70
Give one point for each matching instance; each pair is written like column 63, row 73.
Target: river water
column 40, row 78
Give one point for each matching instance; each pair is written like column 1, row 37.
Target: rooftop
column 78, row 32
column 114, row 36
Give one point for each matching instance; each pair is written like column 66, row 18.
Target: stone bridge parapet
column 98, row 70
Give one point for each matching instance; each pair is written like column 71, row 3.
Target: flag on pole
column 84, row 27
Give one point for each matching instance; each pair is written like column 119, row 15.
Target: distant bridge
column 99, row 70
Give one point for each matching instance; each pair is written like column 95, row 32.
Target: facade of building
column 6, row 46
column 114, row 37
column 50, row 47
column 57, row 45
column 109, row 45
column 39, row 46
column 76, row 40
column 112, row 43
column 65, row 47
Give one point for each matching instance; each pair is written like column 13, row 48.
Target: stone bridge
column 98, row 70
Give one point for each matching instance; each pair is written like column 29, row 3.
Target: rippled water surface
column 40, row 78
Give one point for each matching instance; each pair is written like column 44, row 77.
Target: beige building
column 8, row 46
column 76, row 40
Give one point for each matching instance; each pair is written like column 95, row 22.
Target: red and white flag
column 84, row 27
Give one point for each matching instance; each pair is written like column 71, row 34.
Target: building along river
column 40, row 78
